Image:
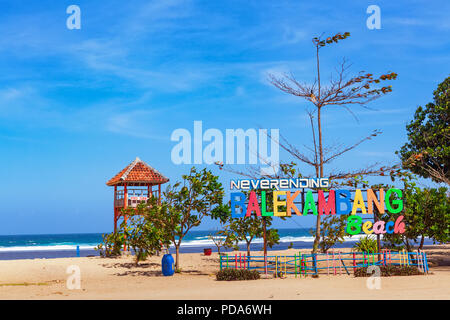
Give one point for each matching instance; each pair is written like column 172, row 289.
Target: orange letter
column 290, row 203
column 372, row 198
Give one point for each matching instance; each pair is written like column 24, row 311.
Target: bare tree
column 343, row 91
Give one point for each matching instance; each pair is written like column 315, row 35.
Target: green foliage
column 143, row 231
column 427, row 152
column 237, row 274
column 199, row 195
column 366, row 244
column 332, row 231
column 389, row 270
column 426, row 214
column 247, row 229
column 111, row 245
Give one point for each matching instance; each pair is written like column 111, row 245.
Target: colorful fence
column 332, row 263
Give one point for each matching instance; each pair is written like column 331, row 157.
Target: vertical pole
column 220, row 259
column 115, row 211
column 125, row 206
column 315, row 262
column 159, row 194
column 78, row 251
column 354, row 260
column 265, row 263
column 240, row 261
column 244, row 261
column 276, row 266
column 340, row 264
column 334, row 268
column 248, row 262
column 235, row 261
column 295, row 264
column 328, row 265
column 426, row 261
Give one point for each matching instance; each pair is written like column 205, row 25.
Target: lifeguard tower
column 133, row 185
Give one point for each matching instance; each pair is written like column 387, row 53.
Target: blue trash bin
column 167, row 265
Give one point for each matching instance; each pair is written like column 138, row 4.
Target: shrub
column 389, row 270
column 237, row 274
column 111, row 245
column 366, row 244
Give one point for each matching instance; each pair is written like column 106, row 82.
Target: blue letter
column 346, row 200
column 240, row 203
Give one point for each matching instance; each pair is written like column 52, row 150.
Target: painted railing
column 331, row 263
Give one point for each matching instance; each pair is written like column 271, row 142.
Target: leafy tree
column 188, row 203
column 427, row 152
column 332, row 231
column 219, row 240
column 426, row 214
column 111, row 244
column 142, row 232
column 247, row 229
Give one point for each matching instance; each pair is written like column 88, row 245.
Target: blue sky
column 76, row 106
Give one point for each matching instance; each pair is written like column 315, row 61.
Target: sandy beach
column 120, row 278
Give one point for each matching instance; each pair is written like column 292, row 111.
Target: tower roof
column 137, row 172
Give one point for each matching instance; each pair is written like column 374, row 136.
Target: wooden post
column 159, row 194
column 125, row 206
column 276, row 266
column 115, row 211
column 295, row 265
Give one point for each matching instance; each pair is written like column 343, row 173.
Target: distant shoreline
column 71, row 253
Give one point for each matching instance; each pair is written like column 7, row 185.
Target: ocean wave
column 198, row 241
column 46, row 248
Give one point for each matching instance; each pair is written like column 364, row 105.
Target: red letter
column 399, row 226
column 324, row 207
column 253, row 205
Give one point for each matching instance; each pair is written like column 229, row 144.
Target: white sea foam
column 196, row 242
column 46, row 248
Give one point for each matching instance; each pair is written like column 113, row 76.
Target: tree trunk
column 319, row 127
column 421, row 242
column 248, row 249
column 177, row 257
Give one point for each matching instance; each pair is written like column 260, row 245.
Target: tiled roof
column 138, row 172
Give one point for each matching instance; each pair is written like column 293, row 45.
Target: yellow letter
column 277, row 203
column 358, row 202
column 366, row 226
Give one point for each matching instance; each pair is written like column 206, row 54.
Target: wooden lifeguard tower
column 133, row 185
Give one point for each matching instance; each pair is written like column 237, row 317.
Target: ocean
column 64, row 245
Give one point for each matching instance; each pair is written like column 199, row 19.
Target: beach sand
column 120, row 278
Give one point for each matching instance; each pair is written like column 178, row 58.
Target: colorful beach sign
column 300, row 199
